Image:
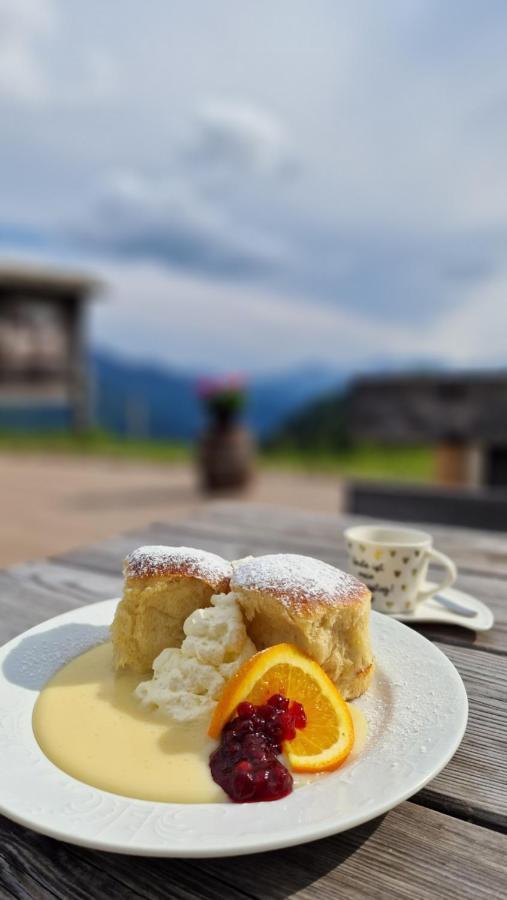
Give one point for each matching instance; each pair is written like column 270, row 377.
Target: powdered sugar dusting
column 296, row 580
column 159, row 560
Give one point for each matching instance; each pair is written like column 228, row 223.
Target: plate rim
column 303, row 833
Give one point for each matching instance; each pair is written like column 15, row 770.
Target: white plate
column 416, row 711
column 452, row 607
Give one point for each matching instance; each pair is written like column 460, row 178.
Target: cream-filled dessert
column 163, row 585
column 215, row 713
column 322, row 610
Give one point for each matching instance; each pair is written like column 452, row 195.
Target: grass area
column 364, row 461
column 95, row 443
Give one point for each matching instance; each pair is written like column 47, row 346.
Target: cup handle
column 448, row 579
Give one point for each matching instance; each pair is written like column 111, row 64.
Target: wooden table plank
column 474, row 783
column 251, row 526
column 233, row 541
column 36, row 868
column 482, row 551
column 39, row 591
column 377, row 861
column 410, row 854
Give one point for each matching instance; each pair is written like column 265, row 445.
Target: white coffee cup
column 393, row 562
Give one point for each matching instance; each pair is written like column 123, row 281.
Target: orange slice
column 283, row 669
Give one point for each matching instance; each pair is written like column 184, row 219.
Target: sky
column 265, row 185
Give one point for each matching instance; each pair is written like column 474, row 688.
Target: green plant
column 224, row 398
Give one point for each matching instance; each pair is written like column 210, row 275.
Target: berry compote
column 246, row 763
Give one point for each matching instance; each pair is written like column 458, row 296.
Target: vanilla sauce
column 90, row 724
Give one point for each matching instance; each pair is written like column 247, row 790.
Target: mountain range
column 147, row 401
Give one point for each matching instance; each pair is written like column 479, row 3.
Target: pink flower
column 235, row 381
column 208, row 387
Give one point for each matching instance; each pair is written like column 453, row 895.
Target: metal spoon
column 454, row 607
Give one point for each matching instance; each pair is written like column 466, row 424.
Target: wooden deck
column 448, row 841
column 53, row 502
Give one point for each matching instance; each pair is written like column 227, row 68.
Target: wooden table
column 448, row 841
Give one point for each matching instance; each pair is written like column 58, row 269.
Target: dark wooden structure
column 463, row 415
column 42, row 351
column 447, row 841
column 468, row 508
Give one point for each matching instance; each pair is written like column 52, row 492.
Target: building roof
column 429, row 379
column 421, row 407
column 46, row 279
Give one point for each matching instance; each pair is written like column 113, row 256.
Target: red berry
column 298, row 714
column 279, row 702
column 243, row 727
column 242, row 786
column 288, row 727
column 261, row 777
column 246, row 764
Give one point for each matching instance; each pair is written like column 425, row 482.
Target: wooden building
column 464, row 416
column 42, row 340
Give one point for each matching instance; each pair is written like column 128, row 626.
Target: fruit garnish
column 284, row 670
column 246, row 763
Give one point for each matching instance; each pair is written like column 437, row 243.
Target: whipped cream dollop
column 188, row 681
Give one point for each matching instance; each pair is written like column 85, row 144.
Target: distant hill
column 319, row 424
column 149, row 401
column 143, row 400
column 319, row 427
column 273, row 399
column 298, row 408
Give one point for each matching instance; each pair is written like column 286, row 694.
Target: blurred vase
column 225, row 455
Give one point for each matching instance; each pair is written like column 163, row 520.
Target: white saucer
column 450, row 606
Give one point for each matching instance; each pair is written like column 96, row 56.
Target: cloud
column 30, row 30
column 189, row 216
column 193, row 323
column 473, row 333
column 169, row 220
column 223, row 326
column 23, row 24
column 347, row 176
column 236, row 139
column 149, row 311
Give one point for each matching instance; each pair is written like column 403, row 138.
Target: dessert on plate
column 306, row 602
column 163, row 585
column 189, row 680
column 222, row 680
